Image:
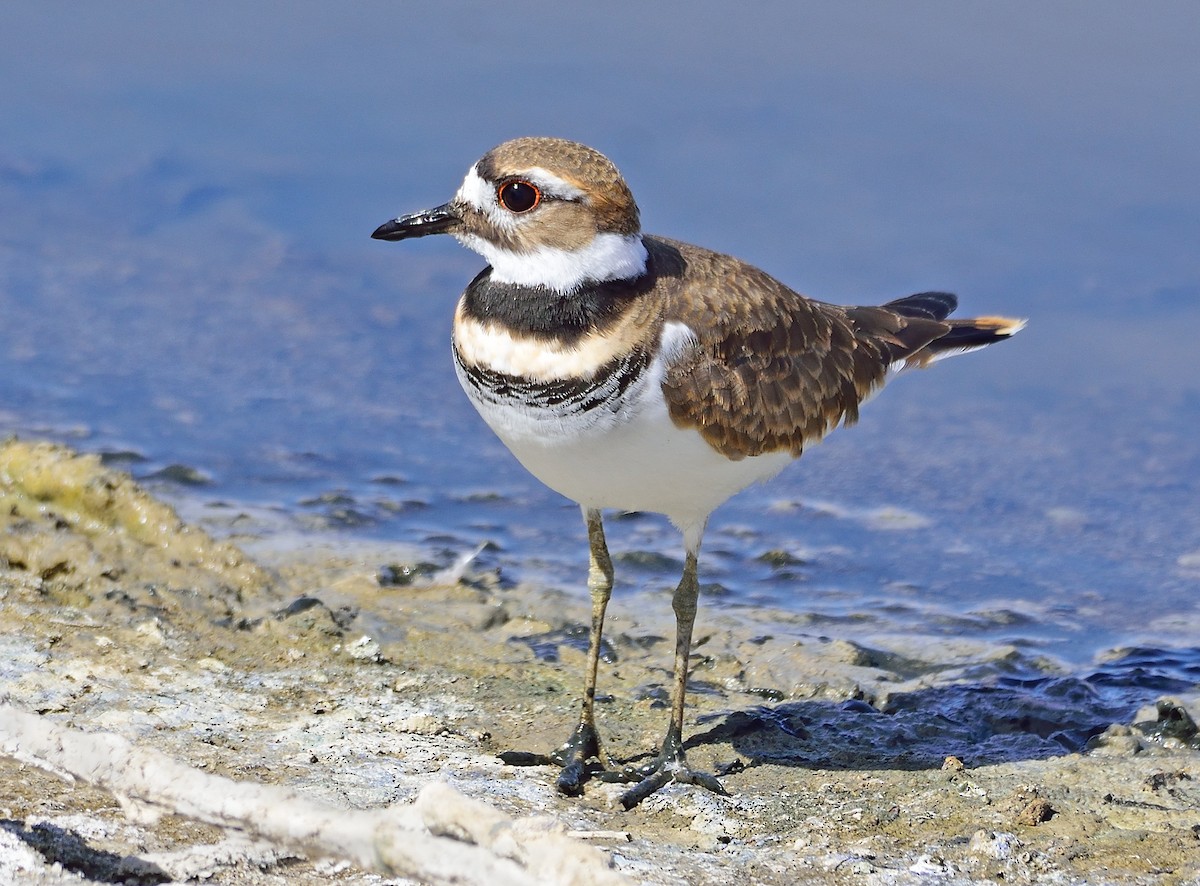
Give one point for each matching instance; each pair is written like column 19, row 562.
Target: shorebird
column 633, row 372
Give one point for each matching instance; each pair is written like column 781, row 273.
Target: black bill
column 438, row 220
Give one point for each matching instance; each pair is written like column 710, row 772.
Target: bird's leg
column 671, row 765
column 581, row 756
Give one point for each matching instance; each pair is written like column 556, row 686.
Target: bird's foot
column 671, row 766
column 581, row 758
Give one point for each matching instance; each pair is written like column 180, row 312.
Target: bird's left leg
column 671, row 765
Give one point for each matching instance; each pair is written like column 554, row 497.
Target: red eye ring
column 518, row 195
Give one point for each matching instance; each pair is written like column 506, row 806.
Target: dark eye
column 519, row 196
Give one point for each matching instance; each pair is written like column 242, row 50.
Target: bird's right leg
column 581, row 756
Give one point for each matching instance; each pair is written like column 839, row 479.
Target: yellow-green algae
column 66, row 518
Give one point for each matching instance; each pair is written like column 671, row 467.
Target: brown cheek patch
column 558, row 224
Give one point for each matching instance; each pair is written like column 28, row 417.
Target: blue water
column 187, row 193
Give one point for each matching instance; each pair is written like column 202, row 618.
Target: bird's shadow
column 1005, row 720
column 916, row 730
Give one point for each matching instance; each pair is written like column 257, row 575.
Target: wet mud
column 357, row 673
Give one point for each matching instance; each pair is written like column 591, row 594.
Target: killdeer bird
column 634, row 372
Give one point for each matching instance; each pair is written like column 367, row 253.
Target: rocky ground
column 301, row 668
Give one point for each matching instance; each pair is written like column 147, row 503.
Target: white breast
column 627, row 454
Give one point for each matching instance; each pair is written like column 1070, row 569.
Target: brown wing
column 772, row 370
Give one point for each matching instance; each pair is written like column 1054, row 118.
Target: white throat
column 606, row 257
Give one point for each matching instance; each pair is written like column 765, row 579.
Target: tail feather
column 978, row 332
column 929, row 305
column 965, row 336
column 960, row 336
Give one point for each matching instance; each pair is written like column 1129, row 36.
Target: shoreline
column 292, row 665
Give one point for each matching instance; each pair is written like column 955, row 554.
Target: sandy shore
column 270, row 661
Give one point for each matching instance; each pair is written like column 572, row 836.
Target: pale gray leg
column 671, row 765
column 581, row 756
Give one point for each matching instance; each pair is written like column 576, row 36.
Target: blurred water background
column 187, row 284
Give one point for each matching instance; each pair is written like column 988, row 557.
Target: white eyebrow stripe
column 551, row 184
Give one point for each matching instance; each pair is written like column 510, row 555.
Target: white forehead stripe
column 476, row 192
column 606, row 257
